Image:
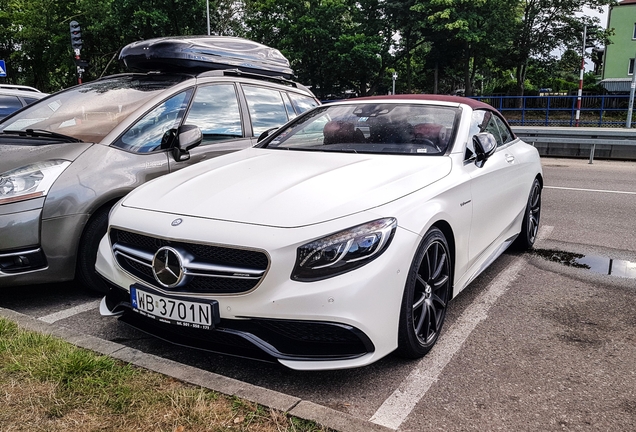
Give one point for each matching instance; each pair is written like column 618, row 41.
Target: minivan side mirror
column 181, row 140
column 485, row 146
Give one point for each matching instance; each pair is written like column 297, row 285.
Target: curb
column 294, row 406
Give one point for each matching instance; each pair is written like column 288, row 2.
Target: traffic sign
column 3, row 69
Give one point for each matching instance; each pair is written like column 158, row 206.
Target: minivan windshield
column 373, row 127
column 90, row 111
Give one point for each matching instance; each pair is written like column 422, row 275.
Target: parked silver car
column 14, row 97
column 65, row 160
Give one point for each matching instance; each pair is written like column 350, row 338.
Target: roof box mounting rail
column 240, row 73
column 196, row 54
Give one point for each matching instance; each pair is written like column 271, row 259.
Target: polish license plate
column 176, row 311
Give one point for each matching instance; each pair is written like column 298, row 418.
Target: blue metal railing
column 556, row 110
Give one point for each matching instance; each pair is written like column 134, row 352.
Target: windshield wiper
column 41, row 133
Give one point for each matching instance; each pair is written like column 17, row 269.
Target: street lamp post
column 628, row 124
column 578, row 99
column 207, row 6
column 394, row 78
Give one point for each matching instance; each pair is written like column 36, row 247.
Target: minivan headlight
column 343, row 251
column 30, row 181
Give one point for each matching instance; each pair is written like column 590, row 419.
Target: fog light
column 21, row 261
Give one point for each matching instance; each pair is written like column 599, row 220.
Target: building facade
column 618, row 65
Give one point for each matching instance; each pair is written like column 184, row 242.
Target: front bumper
column 20, row 251
column 33, row 250
column 264, row 339
column 346, row 321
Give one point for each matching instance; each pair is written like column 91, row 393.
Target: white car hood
column 288, row 188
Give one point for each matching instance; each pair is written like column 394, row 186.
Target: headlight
column 30, row 181
column 343, row 251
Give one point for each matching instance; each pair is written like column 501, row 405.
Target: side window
column 482, row 121
column 8, row 104
column 266, row 107
column 145, row 135
column 506, row 134
column 29, row 100
column 215, row 110
column 489, row 125
column 302, row 103
column 288, row 105
column 475, row 127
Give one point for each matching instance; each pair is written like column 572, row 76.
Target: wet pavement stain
column 596, row 264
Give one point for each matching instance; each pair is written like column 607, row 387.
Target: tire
column 87, row 252
column 531, row 218
column 426, row 295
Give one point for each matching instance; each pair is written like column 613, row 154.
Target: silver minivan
column 66, row 159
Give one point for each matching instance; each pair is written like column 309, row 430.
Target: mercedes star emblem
column 176, row 222
column 167, row 267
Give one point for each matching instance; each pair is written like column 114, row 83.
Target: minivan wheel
column 87, row 252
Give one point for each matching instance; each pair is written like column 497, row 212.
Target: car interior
column 392, row 136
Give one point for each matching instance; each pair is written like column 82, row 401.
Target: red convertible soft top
column 475, row 104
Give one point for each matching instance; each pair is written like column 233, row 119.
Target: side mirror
column 485, row 146
column 265, row 134
column 182, row 140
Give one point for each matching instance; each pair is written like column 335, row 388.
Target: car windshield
column 373, row 127
column 90, row 111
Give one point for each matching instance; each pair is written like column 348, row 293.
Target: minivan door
column 215, row 110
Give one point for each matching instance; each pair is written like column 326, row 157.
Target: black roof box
column 203, row 53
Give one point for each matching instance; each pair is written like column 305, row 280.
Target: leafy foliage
column 548, row 24
column 338, row 47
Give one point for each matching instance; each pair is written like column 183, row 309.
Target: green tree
column 305, row 32
column 545, row 25
column 109, row 25
column 334, row 45
column 35, row 37
column 570, row 62
column 34, row 42
column 468, row 30
column 409, row 30
column 370, row 23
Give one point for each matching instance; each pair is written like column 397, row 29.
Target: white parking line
column 399, row 405
column 590, row 190
column 66, row 313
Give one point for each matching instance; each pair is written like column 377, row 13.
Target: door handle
column 510, row 158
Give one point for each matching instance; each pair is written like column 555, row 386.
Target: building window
column 634, row 35
column 630, row 70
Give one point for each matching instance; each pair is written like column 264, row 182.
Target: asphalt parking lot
column 531, row 344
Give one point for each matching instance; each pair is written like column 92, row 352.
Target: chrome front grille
column 207, row 269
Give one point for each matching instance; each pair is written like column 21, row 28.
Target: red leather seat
column 340, row 132
column 428, row 131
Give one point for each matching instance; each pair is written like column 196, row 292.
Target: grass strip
column 47, row 384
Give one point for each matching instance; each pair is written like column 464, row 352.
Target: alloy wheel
column 534, row 212
column 430, row 294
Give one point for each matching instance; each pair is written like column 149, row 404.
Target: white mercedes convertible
column 338, row 239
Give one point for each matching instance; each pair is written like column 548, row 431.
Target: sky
column 602, row 16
